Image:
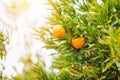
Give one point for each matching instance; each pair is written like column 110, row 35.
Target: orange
column 78, row 42
column 59, row 31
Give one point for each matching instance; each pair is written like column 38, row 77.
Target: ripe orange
column 59, row 31
column 78, row 42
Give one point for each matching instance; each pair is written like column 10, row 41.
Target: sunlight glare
column 32, row 13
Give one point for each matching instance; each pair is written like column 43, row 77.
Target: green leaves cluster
column 2, row 45
column 37, row 71
column 99, row 24
column 3, row 42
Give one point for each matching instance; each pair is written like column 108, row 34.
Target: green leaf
column 118, row 65
column 108, row 65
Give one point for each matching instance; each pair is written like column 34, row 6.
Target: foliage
column 33, row 70
column 99, row 24
column 2, row 45
column 26, row 74
column 3, row 42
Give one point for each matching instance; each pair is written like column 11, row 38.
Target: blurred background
column 18, row 18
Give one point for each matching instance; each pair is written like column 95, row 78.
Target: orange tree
column 98, row 57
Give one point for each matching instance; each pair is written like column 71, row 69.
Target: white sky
column 21, row 31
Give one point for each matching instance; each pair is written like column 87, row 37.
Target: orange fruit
column 59, row 31
column 78, row 42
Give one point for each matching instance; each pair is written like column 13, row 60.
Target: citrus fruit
column 78, row 42
column 58, row 31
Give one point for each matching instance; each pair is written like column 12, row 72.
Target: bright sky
column 20, row 29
